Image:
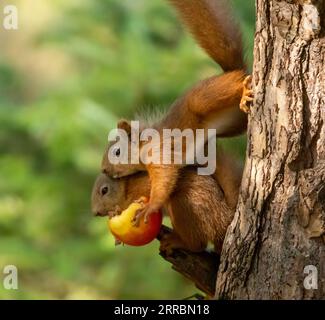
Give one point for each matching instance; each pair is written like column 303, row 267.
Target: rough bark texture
column 279, row 226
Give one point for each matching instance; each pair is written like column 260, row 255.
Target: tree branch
column 201, row 268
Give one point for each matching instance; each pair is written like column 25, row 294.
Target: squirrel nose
column 99, row 214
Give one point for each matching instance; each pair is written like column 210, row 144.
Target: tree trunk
column 279, row 225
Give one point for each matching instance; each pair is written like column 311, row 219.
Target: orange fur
column 212, row 103
column 200, row 208
column 213, row 27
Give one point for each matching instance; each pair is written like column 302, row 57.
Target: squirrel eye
column 104, row 190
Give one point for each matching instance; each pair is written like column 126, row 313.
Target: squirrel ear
column 124, row 125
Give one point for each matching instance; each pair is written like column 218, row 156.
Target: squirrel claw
column 139, row 214
column 136, row 219
column 117, row 211
column 141, row 200
column 145, row 212
column 247, row 96
column 169, row 242
column 112, row 213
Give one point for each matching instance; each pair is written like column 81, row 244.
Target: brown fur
column 200, row 208
column 212, row 103
column 203, row 105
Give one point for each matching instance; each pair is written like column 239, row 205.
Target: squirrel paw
column 117, row 211
column 248, row 96
column 146, row 210
column 169, row 242
column 142, row 200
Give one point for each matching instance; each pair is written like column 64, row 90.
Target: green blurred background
column 70, row 71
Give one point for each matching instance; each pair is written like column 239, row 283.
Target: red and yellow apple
column 123, row 229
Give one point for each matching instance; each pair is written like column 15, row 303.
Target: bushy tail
column 213, row 27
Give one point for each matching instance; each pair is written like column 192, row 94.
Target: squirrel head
column 118, row 148
column 107, row 193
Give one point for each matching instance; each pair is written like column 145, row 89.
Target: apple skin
column 122, row 228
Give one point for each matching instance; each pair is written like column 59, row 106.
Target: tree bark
column 279, row 225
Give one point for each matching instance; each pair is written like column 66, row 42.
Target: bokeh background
column 70, row 71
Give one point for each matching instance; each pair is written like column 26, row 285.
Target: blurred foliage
column 65, row 77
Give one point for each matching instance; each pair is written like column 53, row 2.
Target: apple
column 123, row 229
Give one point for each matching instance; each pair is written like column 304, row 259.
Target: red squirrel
column 206, row 203
column 214, row 103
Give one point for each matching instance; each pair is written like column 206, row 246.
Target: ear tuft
column 124, row 125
